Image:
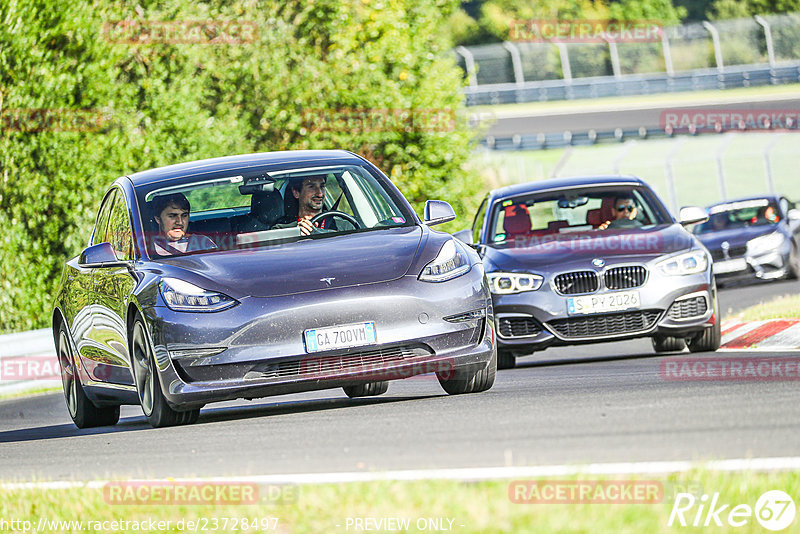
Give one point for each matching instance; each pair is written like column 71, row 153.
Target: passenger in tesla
column 172, row 217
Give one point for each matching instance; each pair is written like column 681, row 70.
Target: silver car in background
column 566, row 267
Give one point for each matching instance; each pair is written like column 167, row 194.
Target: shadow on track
column 211, row 415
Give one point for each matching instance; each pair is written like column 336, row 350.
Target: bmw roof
column 240, row 162
column 564, row 183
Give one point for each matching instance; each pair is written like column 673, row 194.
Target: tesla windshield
column 757, row 212
column 566, row 211
column 266, row 208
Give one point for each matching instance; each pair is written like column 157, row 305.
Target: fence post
column 614, row 53
column 566, row 69
column 469, row 62
column 761, row 21
column 768, row 164
column 717, row 47
column 673, row 193
column 723, row 187
column 516, row 62
column 667, row 52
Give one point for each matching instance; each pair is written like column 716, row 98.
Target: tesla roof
column 241, row 162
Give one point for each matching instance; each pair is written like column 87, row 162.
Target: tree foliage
column 164, row 103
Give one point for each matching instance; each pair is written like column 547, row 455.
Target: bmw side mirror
column 438, row 212
column 692, row 215
column 464, row 235
column 100, row 255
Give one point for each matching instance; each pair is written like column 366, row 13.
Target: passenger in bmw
column 172, row 216
column 625, row 212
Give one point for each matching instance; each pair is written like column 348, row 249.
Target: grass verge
column 785, row 307
column 30, row 392
column 418, row 506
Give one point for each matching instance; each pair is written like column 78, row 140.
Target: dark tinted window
column 118, row 232
column 99, row 233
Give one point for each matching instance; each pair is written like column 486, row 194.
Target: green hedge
column 157, row 104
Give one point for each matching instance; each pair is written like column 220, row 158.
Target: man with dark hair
column 171, row 213
column 624, row 212
column 310, row 195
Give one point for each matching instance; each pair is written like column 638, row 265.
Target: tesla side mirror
column 100, row 255
column 438, row 212
column 692, row 215
column 794, row 215
column 464, row 235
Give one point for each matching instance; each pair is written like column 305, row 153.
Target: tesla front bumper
column 256, row 349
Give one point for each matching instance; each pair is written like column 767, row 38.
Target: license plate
column 607, row 302
column 340, row 337
column 730, row 266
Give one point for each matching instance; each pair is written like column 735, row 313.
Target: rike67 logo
column 774, row 510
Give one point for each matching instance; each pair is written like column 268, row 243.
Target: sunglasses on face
column 626, row 208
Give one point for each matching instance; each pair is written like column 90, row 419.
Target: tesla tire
column 458, row 381
column 369, row 389
column 82, row 411
column 148, row 386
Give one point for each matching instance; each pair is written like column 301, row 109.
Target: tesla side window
column 99, row 233
column 118, row 232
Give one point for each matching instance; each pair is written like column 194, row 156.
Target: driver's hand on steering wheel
column 305, row 225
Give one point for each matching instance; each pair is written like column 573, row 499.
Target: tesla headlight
column 692, row 262
column 765, row 243
column 183, row 296
column 506, row 283
column 451, row 262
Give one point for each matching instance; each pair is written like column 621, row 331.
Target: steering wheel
column 325, row 214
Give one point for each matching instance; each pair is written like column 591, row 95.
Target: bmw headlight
column 765, row 243
column 507, row 283
column 692, row 262
column 451, row 262
column 183, row 296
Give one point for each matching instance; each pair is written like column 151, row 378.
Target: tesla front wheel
column 82, row 411
column 369, row 389
column 154, row 405
column 458, row 381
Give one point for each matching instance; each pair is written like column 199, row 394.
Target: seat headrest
column 517, row 221
column 267, row 207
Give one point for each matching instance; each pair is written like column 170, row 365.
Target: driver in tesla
column 310, row 195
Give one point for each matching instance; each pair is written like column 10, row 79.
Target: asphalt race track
column 627, row 118
column 587, row 404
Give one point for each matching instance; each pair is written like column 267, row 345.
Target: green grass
column 472, row 507
column 694, row 165
column 31, row 392
column 671, row 99
column 785, row 307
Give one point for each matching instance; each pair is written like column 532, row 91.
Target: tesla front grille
column 576, row 282
column 510, row 327
column 608, row 324
column 625, row 277
column 688, row 308
column 733, row 252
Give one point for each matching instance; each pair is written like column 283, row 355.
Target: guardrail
column 634, row 84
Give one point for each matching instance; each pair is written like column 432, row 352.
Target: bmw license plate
column 729, row 266
column 340, row 337
column 609, row 302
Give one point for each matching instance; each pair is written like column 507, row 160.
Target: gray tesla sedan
column 265, row 274
column 593, row 259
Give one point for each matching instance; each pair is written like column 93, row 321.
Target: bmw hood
column 302, row 266
column 543, row 252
